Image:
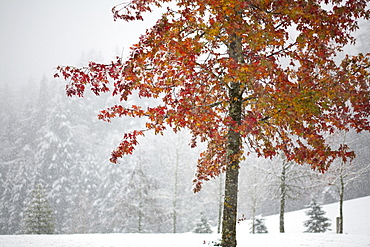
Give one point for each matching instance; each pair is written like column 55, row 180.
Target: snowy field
column 186, row 240
column 356, row 228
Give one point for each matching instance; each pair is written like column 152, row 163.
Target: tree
column 54, row 155
column 39, row 217
column 138, row 209
column 256, row 188
column 202, row 226
column 177, row 161
column 239, row 73
column 317, row 222
column 341, row 174
column 258, row 225
column 7, row 119
column 288, row 181
column 17, row 163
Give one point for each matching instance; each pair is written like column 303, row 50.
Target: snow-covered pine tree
column 39, row 217
column 259, row 225
column 202, row 226
column 16, row 162
column 55, row 153
column 317, row 222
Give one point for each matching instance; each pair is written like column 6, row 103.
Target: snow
column 356, row 233
column 186, row 239
column 356, row 215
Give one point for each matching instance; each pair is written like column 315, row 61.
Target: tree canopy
column 255, row 74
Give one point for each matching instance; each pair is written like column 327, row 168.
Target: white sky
column 38, row 35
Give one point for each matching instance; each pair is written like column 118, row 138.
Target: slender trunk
column 254, row 220
column 282, row 198
column 140, row 214
column 140, row 209
column 282, row 211
column 220, row 206
column 341, row 197
column 341, row 191
column 175, row 193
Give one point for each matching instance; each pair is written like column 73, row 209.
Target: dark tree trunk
column 234, row 148
column 230, row 206
column 282, row 211
column 232, row 171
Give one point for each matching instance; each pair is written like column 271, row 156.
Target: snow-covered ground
column 356, row 228
column 356, row 217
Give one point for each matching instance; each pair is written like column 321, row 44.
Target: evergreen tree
column 259, row 225
column 39, row 217
column 317, row 221
column 138, row 205
column 202, row 226
column 16, row 165
column 55, row 152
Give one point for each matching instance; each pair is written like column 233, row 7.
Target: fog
column 36, row 36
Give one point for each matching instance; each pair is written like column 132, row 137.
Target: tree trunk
column 232, row 171
column 174, row 203
column 234, row 148
column 140, row 209
column 341, row 197
column 230, row 205
column 342, row 173
column 282, row 198
column 220, row 206
column 282, row 211
column 254, row 220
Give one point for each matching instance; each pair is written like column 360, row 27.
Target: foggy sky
column 38, row 35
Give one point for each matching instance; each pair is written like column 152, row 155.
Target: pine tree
column 202, row 226
column 14, row 166
column 317, row 222
column 259, row 225
column 55, row 152
column 39, row 217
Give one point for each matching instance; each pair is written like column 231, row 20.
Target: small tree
column 39, row 217
column 342, row 173
column 202, row 226
column 257, row 188
column 258, row 225
column 317, row 221
column 288, row 182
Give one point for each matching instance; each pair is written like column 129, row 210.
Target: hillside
column 356, row 227
column 356, row 214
